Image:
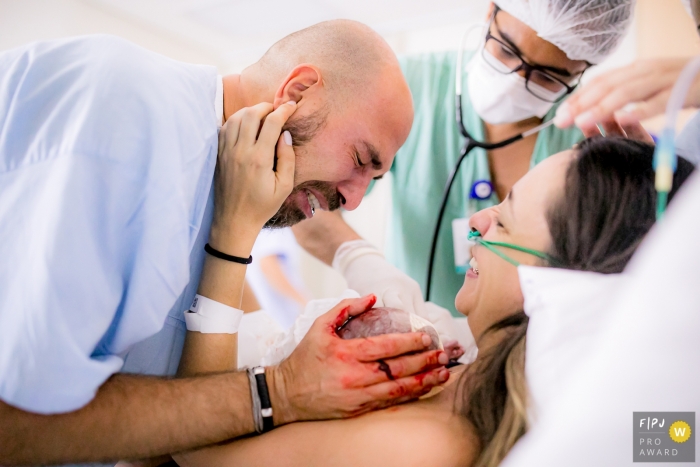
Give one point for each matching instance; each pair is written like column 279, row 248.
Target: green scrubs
column 423, row 164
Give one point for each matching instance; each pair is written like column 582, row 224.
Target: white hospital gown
column 107, row 154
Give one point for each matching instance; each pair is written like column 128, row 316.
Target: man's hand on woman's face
column 328, row 377
column 248, row 191
column 645, row 86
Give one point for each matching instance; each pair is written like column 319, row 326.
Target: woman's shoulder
column 402, row 436
column 416, row 435
column 425, row 432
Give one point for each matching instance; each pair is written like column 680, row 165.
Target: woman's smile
column 473, row 272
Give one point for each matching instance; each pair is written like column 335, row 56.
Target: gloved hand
column 366, row 271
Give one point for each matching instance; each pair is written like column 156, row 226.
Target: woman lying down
column 584, row 209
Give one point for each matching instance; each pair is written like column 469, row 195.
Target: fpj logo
column 664, row 436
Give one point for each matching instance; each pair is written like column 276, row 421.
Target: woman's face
column 494, row 293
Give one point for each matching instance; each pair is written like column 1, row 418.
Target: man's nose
column 353, row 192
column 481, row 221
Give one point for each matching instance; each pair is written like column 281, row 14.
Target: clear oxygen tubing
column 665, row 158
column 469, row 144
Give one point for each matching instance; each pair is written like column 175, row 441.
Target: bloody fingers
column 408, row 365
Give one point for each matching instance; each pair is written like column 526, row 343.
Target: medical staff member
column 107, row 199
column 617, row 99
column 275, row 278
column 532, row 55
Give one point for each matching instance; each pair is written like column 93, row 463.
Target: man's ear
column 302, row 79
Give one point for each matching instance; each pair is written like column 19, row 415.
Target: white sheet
column 648, row 358
column 567, row 310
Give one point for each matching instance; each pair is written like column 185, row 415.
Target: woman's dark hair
column 608, row 206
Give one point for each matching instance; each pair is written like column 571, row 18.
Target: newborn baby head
column 378, row 321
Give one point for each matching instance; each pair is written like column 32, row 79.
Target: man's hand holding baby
column 328, row 377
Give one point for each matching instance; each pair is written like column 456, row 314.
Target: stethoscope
column 469, row 144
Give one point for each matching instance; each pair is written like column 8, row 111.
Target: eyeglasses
column 540, row 83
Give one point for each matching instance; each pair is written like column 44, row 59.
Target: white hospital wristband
column 211, row 317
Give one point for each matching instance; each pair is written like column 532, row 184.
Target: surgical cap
column 583, row 29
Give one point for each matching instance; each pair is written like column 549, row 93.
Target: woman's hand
column 249, row 189
column 646, row 84
column 328, row 377
column 248, row 192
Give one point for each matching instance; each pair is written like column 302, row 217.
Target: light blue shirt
column 107, row 155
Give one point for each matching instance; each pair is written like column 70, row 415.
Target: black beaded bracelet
column 265, row 404
column 234, row 259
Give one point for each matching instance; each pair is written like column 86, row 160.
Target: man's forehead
column 378, row 131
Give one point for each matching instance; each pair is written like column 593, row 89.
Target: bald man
column 107, row 156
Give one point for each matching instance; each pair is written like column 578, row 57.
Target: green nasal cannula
column 475, row 236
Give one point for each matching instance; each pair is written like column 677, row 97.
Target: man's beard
column 289, row 213
column 303, row 130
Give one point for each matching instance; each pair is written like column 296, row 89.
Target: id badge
column 461, row 244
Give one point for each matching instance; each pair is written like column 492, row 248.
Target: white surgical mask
column 502, row 98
